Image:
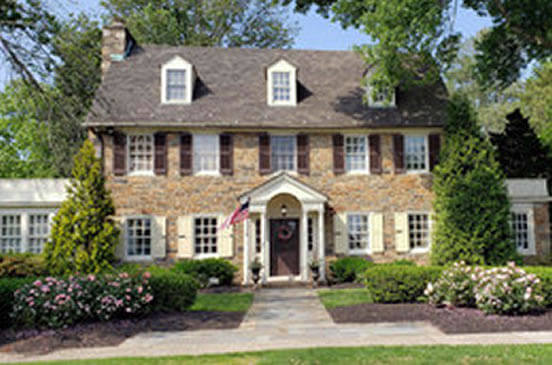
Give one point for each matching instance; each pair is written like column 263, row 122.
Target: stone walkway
column 284, row 318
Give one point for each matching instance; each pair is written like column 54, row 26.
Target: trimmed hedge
column 399, row 283
column 172, row 291
column 203, row 270
column 21, row 265
column 8, row 286
column 349, row 269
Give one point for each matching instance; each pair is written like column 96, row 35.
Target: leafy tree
column 227, row 23
column 83, row 237
column 520, row 152
column 472, row 210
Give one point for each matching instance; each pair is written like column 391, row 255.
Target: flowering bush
column 508, row 290
column 55, row 303
column 454, row 287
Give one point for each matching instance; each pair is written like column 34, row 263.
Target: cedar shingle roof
column 231, row 92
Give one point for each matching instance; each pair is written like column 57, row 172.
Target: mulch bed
column 448, row 320
column 114, row 332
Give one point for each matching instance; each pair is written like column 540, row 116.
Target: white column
column 265, row 261
column 246, row 252
column 24, row 226
column 321, row 245
column 304, row 265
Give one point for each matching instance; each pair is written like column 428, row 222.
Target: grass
column 333, row 298
column 495, row 354
column 224, row 302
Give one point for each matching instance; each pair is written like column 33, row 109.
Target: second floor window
column 355, row 153
column 283, row 154
column 206, row 153
column 281, row 89
column 415, row 153
column 176, row 85
column 140, row 153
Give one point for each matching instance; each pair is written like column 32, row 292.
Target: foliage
column 8, row 286
column 55, row 303
column 172, row 291
column 334, row 298
column 455, row 287
column 545, row 275
column 401, row 262
column 83, row 236
column 520, row 152
column 223, row 23
column 348, row 269
column 472, row 210
column 21, row 265
column 223, row 302
column 204, row 270
column 399, row 283
column 508, row 290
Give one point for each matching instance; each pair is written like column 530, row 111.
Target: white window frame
column 149, row 172
column 294, row 137
column 139, row 257
column 25, row 214
column 286, row 67
column 526, row 209
column 196, row 138
column 203, row 255
column 426, row 157
column 368, row 249
column 379, row 103
column 418, row 250
column 178, row 64
column 366, row 157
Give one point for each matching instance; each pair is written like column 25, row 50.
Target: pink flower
column 45, row 288
column 37, row 283
column 91, row 277
column 147, row 275
column 140, row 290
column 123, row 275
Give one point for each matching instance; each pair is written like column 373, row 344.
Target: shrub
column 545, row 275
column 454, row 287
column 401, row 262
column 399, row 284
column 172, row 291
column 349, row 269
column 8, row 286
column 21, row 265
column 204, row 270
column 508, row 290
column 55, row 303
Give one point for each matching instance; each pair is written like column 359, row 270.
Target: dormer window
column 177, row 80
column 384, row 98
column 282, row 84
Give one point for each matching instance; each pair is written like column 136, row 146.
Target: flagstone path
column 284, row 318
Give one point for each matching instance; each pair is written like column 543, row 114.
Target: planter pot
column 256, row 275
column 315, row 274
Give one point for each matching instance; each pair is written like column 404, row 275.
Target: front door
column 284, row 247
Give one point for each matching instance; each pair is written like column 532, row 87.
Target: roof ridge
column 298, row 50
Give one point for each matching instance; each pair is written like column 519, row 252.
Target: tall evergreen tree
column 83, row 237
column 472, row 210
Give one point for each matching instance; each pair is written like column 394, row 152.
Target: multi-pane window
column 283, row 153
column 205, row 235
column 415, row 153
column 310, row 234
column 206, row 153
column 281, row 87
column 10, row 233
column 39, row 230
column 358, row 229
column 355, row 153
column 176, row 85
column 139, row 237
column 520, row 225
column 140, row 153
column 258, row 239
column 418, row 231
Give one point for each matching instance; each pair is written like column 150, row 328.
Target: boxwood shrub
column 21, row 265
column 399, row 283
column 348, row 269
column 204, row 270
column 8, row 286
column 172, row 291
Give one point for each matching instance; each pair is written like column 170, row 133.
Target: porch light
column 283, row 210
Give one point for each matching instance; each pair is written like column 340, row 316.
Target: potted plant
column 315, row 269
column 256, row 267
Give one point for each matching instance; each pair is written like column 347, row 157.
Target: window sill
column 141, row 173
column 138, row 258
column 419, row 251
column 417, row 172
column 360, row 253
column 176, row 102
column 357, row 172
column 208, row 173
column 206, row 256
column 528, row 252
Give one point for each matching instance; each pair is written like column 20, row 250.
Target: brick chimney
column 117, row 42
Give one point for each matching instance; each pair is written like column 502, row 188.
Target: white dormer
column 177, row 81
column 383, row 99
column 281, row 87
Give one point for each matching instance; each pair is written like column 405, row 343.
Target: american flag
column 239, row 215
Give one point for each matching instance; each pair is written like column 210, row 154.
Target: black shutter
column 264, row 154
column 338, row 154
column 398, row 151
column 226, row 154
column 434, row 150
column 160, row 157
column 303, row 152
column 374, row 140
column 119, row 154
column 186, row 154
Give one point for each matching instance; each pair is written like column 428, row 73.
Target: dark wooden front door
column 284, row 247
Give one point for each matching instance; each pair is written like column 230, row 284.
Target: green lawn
column 507, row 354
column 332, row 298
column 224, row 302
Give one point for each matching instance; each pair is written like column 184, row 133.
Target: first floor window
column 206, row 152
column 355, row 153
column 258, row 238
column 205, row 235
column 39, row 230
column 520, row 226
column 283, row 153
column 10, row 233
column 358, row 228
column 415, row 153
column 140, row 153
column 139, row 236
column 418, row 231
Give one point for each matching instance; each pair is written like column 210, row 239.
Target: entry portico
column 285, row 229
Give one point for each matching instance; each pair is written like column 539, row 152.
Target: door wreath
column 284, row 233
